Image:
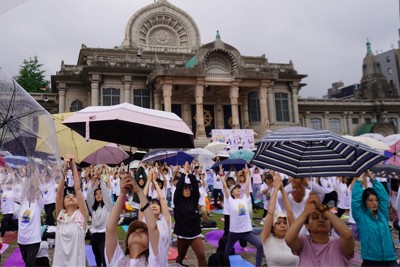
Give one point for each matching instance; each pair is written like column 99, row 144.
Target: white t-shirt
column 29, row 224
column 225, row 208
column 327, row 183
column 217, row 182
column 203, row 193
column 7, row 202
column 161, row 260
column 278, row 253
column 48, row 192
column 344, row 196
column 115, row 187
column 239, row 215
column 17, row 190
column 70, row 240
column 266, row 198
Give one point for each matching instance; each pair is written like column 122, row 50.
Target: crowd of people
column 301, row 219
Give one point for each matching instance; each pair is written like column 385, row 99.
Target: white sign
column 234, row 138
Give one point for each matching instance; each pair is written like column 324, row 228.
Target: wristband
column 145, row 207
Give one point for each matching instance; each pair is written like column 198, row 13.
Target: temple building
column 162, row 65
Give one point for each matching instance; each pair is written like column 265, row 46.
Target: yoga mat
column 10, row 237
column 213, row 236
column 15, row 259
column 173, row 253
column 3, row 248
column 238, row 261
column 356, row 260
column 90, row 256
column 125, row 227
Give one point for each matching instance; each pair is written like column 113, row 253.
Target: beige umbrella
column 69, row 141
column 369, row 141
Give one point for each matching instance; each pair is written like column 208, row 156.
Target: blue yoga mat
column 125, row 227
column 217, row 211
column 90, row 256
column 238, row 261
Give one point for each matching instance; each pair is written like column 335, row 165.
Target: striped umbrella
column 304, row 152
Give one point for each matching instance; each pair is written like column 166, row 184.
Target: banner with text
column 234, row 138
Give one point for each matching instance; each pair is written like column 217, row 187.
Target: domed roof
column 162, row 27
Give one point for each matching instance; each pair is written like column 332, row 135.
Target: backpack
column 218, row 259
column 208, row 224
column 222, row 244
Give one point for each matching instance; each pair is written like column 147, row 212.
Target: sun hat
column 277, row 215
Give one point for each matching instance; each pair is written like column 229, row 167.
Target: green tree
column 31, row 77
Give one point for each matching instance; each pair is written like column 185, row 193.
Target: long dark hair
column 96, row 203
column 367, row 192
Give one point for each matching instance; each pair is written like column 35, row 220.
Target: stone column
column 186, row 111
column 95, row 89
column 344, row 123
column 200, row 128
column 234, row 95
column 62, row 87
column 271, row 104
column 295, row 104
column 307, row 119
column 167, row 94
column 127, row 81
column 219, row 112
column 350, row 123
column 157, row 100
column 245, row 111
column 326, row 120
column 362, row 117
column 264, row 106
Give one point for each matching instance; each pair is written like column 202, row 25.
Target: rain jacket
column 376, row 239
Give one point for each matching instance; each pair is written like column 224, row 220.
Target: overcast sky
column 324, row 39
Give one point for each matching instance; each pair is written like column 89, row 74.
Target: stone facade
column 161, row 65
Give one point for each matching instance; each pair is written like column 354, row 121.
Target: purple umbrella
column 109, row 154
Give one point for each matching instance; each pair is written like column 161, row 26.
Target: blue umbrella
column 237, row 164
column 179, row 159
column 15, row 161
column 304, row 152
column 247, row 155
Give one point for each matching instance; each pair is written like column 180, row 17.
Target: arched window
column 76, row 106
column 254, row 107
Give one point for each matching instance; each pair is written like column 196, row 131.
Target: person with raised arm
column 72, row 217
column 141, row 245
column 240, row 226
column 276, row 251
column 318, row 249
column 187, row 219
column 100, row 205
column 370, row 210
column 160, row 210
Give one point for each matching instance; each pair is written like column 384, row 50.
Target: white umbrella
column 391, row 139
column 134, row 164
column 215, row 147
column 369, row 141
column 376, row 136
column 196, row 152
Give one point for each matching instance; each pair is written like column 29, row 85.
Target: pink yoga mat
column 15, row 259
column 213, row 236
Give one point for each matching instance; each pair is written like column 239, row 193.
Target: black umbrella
column 227, row 164
column 304, row 152
column 132, row 125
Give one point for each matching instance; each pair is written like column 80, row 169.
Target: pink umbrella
column 133, row 126
column 395, row 154
column 109, row 154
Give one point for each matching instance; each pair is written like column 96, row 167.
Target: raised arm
column 247, row 183
column 60, row 188
column 292, row 235
column 224, row 185
column 154, row 235
column 269, row 220
column 113, row 218
column 356, row 197
column 78, row 191
column 163, row 202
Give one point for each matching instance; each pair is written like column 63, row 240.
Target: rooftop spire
column 369, row 50
column 218, row 36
